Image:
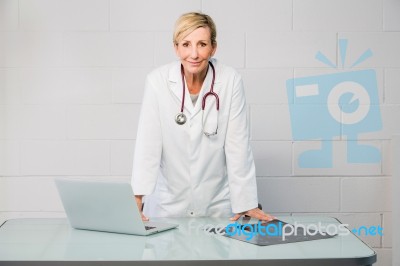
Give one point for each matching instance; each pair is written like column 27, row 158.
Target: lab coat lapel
column 175, row 85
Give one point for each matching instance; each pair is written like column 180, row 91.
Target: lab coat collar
column 175, row 82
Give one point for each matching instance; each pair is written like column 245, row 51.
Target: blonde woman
column 192, row 155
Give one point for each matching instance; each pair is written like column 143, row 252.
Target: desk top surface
column 55, row 240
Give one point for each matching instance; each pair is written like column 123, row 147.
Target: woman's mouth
column 194, row 63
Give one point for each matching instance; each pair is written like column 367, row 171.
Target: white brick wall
column 339, row 15
column 396, row 200
column 88, row 15
column 118, row 121
column 264, row 86
column 65, row 157
column 26, row 194
column 392, row 78
column 391, row 19
column 288, row 48
column 383, row 45
column 248, row 16
column 71, row 89
column 292, row 194
column 9, row 15
column 31, row 49
column 137, row 15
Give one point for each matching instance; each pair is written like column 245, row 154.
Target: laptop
column 104, row 206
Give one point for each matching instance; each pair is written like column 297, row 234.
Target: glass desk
column 54, row 242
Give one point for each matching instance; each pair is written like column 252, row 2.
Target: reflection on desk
column 24, row 240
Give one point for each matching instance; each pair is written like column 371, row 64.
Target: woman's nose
column 194, row 53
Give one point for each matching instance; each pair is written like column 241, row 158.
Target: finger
column 268, row 218
column 271, row 218
column 260, row 215
column 144, row 218
column 236, row 217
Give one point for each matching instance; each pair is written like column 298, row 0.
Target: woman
column 189, row 160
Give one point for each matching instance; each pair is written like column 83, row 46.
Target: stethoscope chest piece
column 180, row 118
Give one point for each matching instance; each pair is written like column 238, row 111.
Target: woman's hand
column 254, row 213
column 138, row 199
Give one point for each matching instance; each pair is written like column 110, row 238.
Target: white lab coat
column 184, row 172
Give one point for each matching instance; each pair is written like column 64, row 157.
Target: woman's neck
column 195, row 81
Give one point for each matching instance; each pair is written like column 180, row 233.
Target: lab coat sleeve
column 239, row 157
column 148, row 147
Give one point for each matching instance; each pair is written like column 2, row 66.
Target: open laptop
column 104, row 206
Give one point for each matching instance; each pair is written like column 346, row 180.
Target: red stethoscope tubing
column 210, row 93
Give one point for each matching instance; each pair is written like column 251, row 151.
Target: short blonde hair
column 188, row 22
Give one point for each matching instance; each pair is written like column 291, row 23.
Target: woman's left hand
column 254, row 213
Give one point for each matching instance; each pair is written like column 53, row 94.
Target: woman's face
column 195, row 50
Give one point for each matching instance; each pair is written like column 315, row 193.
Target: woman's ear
column 176, row 48
column 214, row 49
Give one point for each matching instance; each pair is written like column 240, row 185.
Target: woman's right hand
column 139, row 203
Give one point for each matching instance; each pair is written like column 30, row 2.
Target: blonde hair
column 188, row 22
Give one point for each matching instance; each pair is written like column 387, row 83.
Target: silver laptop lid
column 100, row 206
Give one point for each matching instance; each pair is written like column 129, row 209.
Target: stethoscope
column 180, row 118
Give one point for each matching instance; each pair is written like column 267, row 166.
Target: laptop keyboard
column 149, row 227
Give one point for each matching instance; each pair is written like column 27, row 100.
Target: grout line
column 292, row 15
column 109, row 16
column 19, row 17
column 340, row 194
column 381, row 237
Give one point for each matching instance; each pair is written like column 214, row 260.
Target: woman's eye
column 203, row 44
column 185, row 45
